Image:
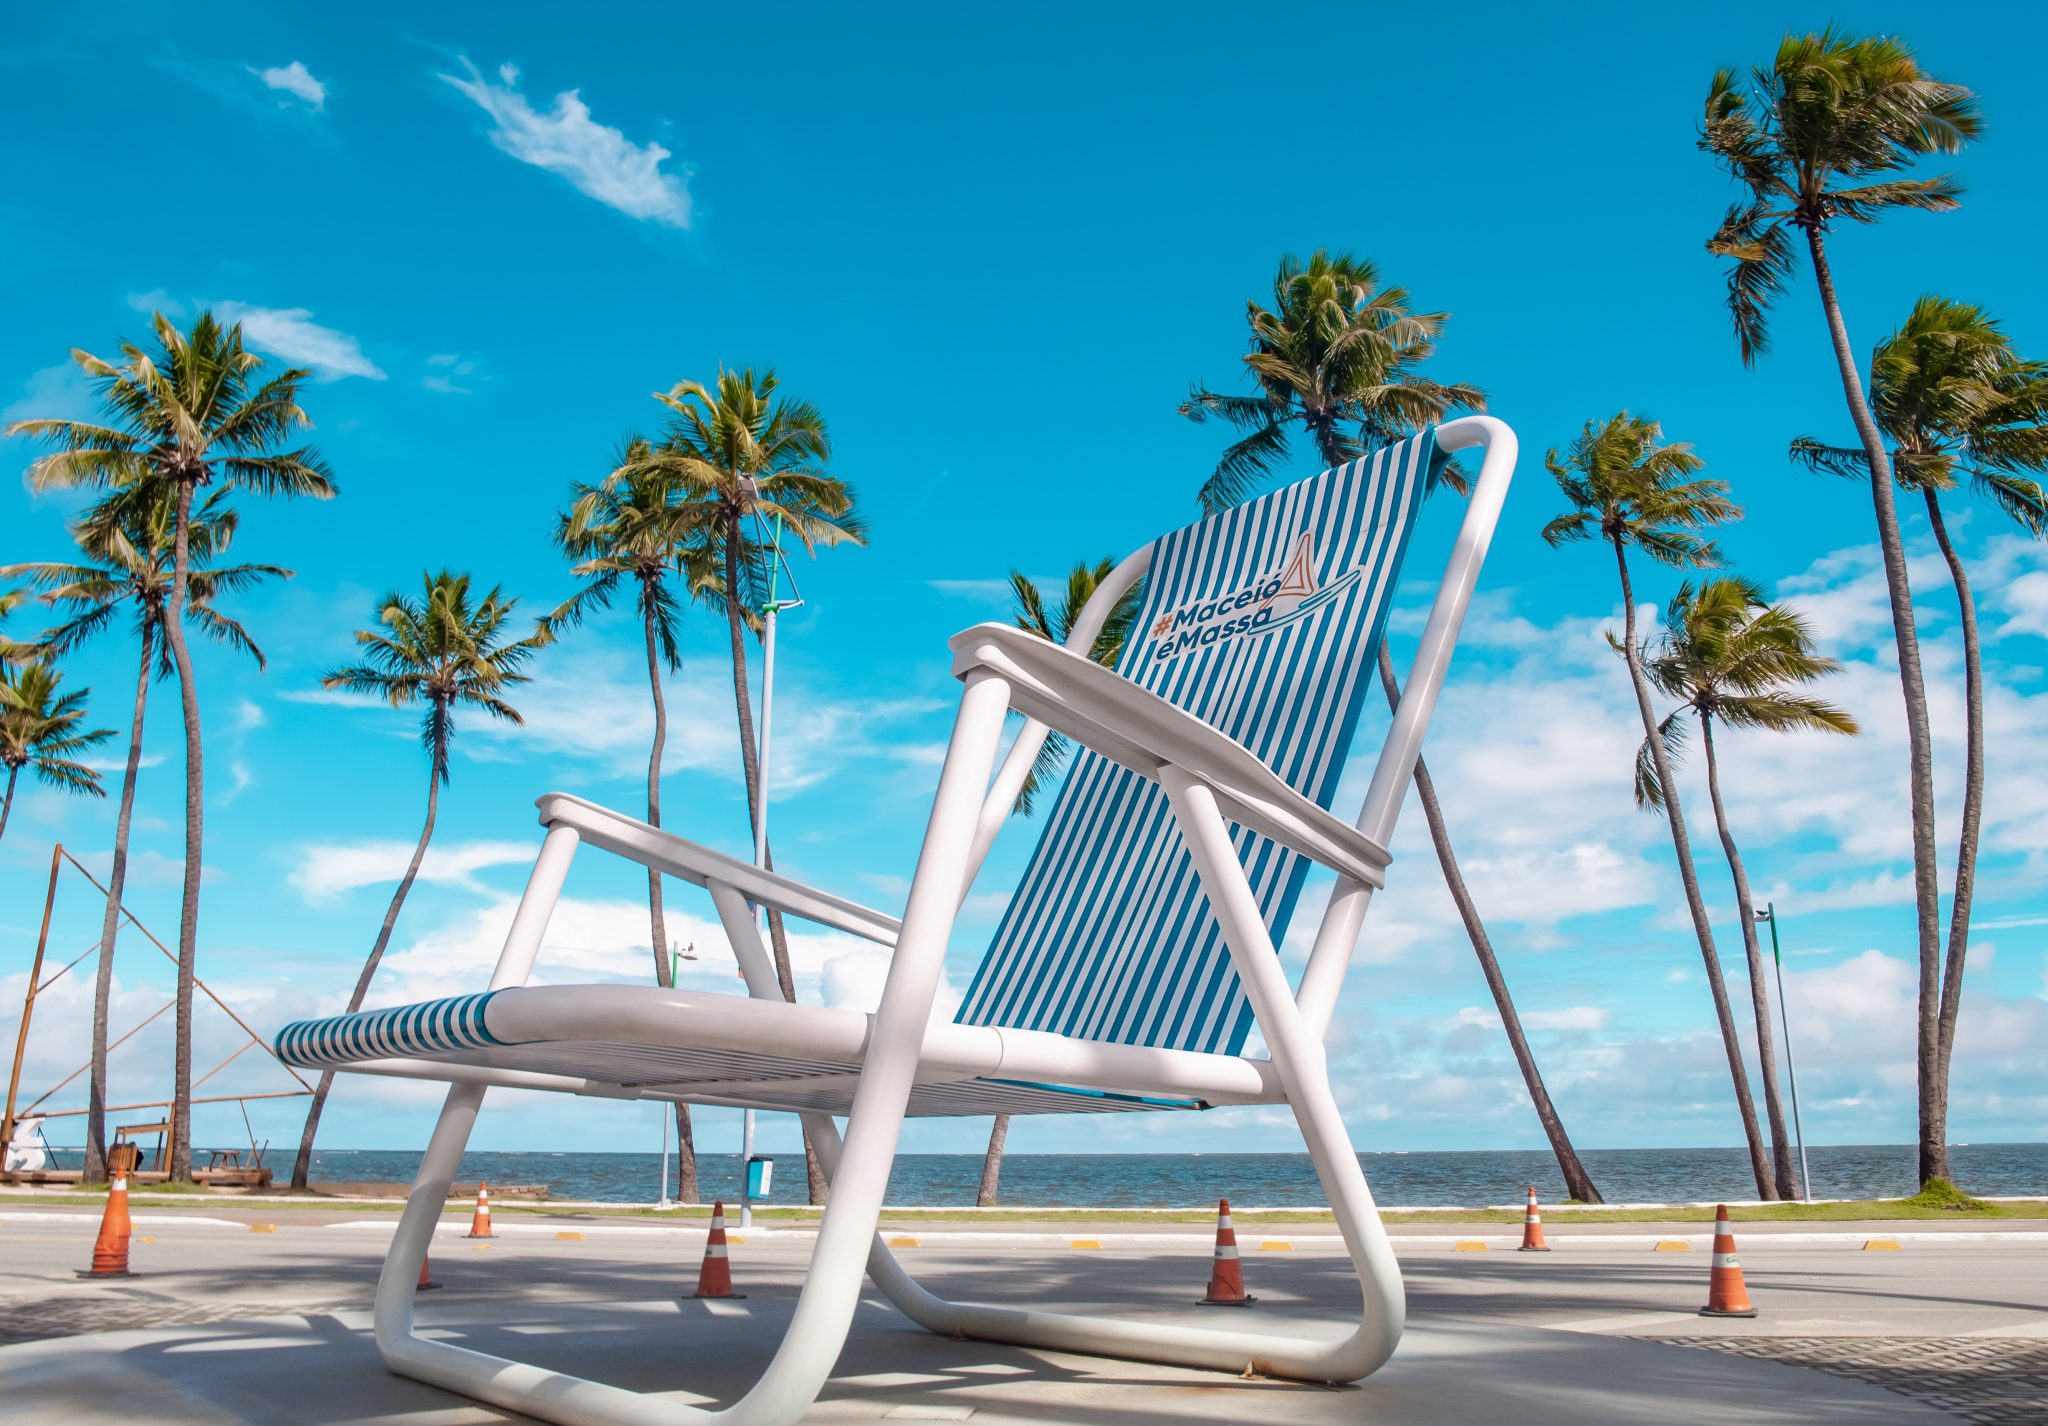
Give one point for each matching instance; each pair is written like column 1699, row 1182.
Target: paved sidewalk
column 238, row 1321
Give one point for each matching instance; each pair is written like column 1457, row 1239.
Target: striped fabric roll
column 1263, row 621
column 429, row 1028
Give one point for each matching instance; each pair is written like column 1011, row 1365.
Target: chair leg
column 1364, row 1350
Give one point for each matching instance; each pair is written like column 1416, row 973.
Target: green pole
column 1770, row 914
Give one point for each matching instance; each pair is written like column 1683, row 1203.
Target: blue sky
column 994, row 249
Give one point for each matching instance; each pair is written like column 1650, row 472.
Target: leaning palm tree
column 1630, row 489
column 618, row 532
column 1814, row 138
column 1727, row 652
column 42, row 730
column 1055, row 624
column 128, row 541
column 1337, row 358
column 736, row 453
column 440, row 650
column 191, row 413
column 1954, row 400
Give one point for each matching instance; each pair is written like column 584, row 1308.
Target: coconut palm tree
column 191, row 413
column 1055, row 624
column 1630, row 489
column 1727, row 652
column 441, row 650
column 1336, row 358
column 42, row 730
column 128, row 542
column 735, row 452
column 1955, row 400
column 617, row 532
column 1816, row 138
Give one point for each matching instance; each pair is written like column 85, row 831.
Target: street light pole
column 1770, row 914
column 773, row 605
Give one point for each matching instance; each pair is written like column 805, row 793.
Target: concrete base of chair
column 323, row 1369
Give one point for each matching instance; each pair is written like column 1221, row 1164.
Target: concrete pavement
column 243, row 1325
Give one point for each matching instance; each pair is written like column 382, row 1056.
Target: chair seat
column 645, row 1042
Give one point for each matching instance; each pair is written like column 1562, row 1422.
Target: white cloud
column 326, row 870
column 241, row 779
column 291, row 332
column 60, row 391
column 296, row 80
column 156, row 300
column 598, row 161
column 445, row 373
column 248, row 714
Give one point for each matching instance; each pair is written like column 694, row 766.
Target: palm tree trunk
column 1577, row 1182
column 1759, row 990
column 814, row 1173
column 303, row 1164
column 992, row 1164
column 180, row 1166
column 664, row 968
column 1973, row 794
column 1919, row 739
column 7, row 803
column 1759, row 1163
column 110, row 926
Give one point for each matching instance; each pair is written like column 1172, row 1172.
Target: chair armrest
column 1137, row 729
column 652, row 847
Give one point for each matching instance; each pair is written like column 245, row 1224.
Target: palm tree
column 1337, row 358
column 1630, row 489
column 189, row 414
column 11, row 651
column 41, row 730
column 1953, row 399
column 734, row 451
column 1727, row 652
column 1813, row 138
column 129, row 543
column 1055, row 624
column 618, row 531
column 445, row 651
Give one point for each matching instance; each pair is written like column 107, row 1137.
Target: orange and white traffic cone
column 1226, row 1278
column 480, row 1221
column 1727, row 1296
column 426, row 1282
column 714, row 1278
column 1532, row 1227
column 110, row 1249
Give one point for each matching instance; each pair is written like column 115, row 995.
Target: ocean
column 1464, row 1179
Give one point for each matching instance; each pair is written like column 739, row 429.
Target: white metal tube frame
column 1293, row 1024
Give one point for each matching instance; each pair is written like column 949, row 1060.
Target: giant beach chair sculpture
column 1135, row 956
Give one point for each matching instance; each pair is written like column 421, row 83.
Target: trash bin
column 760, row 1176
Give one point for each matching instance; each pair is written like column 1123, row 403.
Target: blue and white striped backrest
column 1264, row 621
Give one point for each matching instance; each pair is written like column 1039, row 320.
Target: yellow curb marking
column 1086, row 1244
column 145, row 1240
column 1468, row 1245
column 1276, row 1245
column 568, row 1237
column 740, row 1238
column 904, row 1243
column 262, row 1227
column 481, row 1248
column 1881, row 1245
column 1672, row 1245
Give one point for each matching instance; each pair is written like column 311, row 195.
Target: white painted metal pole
column 667, row 1112
column 760, row 850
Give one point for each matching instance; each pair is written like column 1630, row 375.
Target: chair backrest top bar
column 1263, row 621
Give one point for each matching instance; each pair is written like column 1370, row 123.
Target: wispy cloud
column 295, row 80
column 291, row 333
column 599, row 161
column 445, row 373
column 326, row 870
